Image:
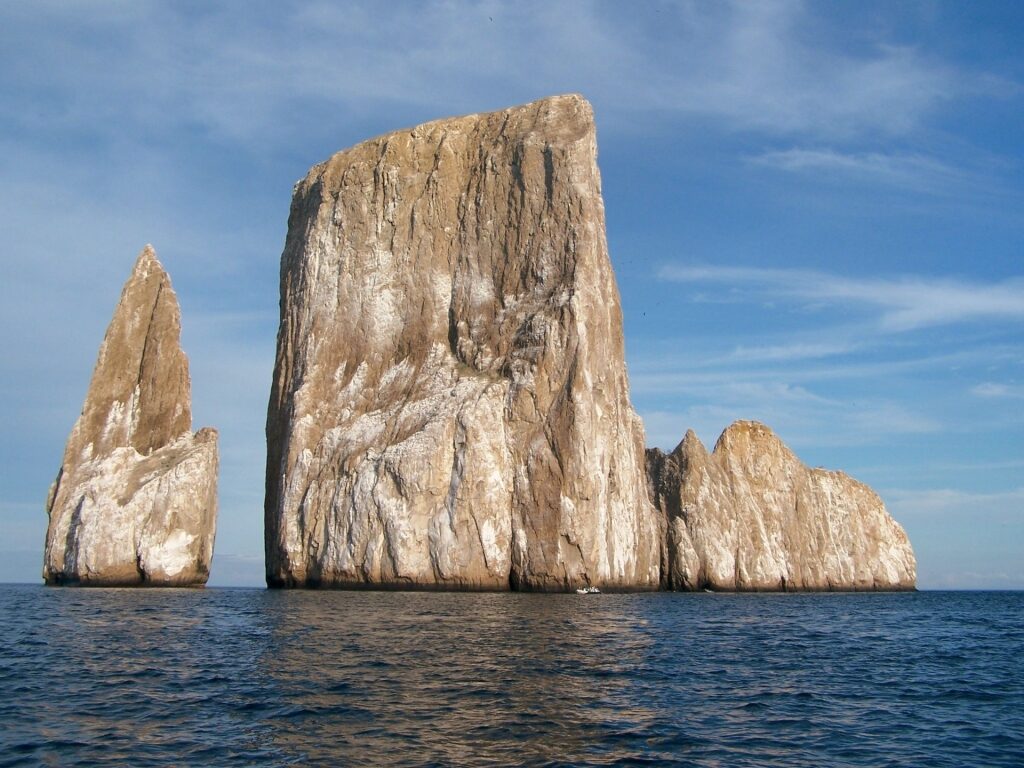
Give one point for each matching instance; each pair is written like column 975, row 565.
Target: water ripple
column 248, row 677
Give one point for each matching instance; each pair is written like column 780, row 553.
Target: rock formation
column 751, row 516
column 135, row 500
column 450, row 402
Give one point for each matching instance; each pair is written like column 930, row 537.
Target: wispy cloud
column 941, row 501
column 656, row 369
column 802, row 416
column 752, row 66
column 790, row 352
column 761, row 66
column 991, row 389
column 904, row 303
column 910, row 171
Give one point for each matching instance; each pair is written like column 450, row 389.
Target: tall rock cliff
column 751, row 516
column 450, row 402
column 135, row 500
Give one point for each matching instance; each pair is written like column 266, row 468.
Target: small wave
column 496, row 679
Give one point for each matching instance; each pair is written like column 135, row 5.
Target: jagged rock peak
column 135, row 499
column 450, row 402
column 751, row 516
column 140, row 393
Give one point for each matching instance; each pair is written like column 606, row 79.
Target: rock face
column 751, row 516
column 450, row 402
column 135, row 500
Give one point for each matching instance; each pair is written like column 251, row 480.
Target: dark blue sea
column 249, row 677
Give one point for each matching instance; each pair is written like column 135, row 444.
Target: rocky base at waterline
column 135, row 501
column 751, row 517
column 450, row 404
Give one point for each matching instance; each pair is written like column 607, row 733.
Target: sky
column 815, row 214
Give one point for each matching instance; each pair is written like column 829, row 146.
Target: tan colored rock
column 751, row 516
column 450, row 402
column 135, row 500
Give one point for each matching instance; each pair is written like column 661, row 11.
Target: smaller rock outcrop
column 135, row 500
column 750, row 517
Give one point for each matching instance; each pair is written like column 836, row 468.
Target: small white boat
column 588, row 591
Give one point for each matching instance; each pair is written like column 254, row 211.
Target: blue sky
column 815, row 212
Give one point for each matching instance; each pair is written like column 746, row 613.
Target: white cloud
column 910, row 171
column 761, row 66
column 246, row 76
column 665, row 429
column 942, row 501
column 993, row 390
column 876, row 419
column 904, row 304
column 711, row 400
column 789, row 352
column 676, row 364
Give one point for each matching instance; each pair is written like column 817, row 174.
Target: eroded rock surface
column 751, row 516
column 135, row 500
column 450, row 402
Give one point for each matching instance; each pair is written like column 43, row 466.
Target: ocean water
column 252, row 677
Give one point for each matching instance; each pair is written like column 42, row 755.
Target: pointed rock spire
column 135, row 499
column 140, row 393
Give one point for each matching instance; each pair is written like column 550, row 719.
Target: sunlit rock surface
column 751, row 516
column 135, row 500
column 450, row 402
